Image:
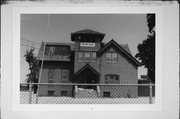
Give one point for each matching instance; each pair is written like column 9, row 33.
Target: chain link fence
column 65, row 93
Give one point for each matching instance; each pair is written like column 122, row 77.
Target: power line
column 29, row 46
column 29, row 43
column 23, row 39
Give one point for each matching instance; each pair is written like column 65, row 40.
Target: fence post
column 150, row 94
column 98, row 91
column 30, row 93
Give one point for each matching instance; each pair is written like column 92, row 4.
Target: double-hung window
column 87, row 56
column 114, row 57
column 111, row 57
column 93, row 59
column 108, row 57
column 51, row 75
column 80, row 56
column 65, row 75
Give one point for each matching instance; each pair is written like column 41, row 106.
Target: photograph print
column 87, row 58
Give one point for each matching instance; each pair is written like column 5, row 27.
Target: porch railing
column 67, row 93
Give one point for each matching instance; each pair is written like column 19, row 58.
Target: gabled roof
column 87, row 31
column 87, row 66
column 119, row 47
column 125, row 46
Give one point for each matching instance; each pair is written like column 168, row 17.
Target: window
column 50, row 50
column 63, row 93
column 57, row 50
column 80, row 57
column 93, row 56
column 114, row 57
column 106, row 94
column 50, row 93
column 108, row 57
column 111, row 57
column 65, row 75
column 51, row 75
column 111, row 79
column 87, row 56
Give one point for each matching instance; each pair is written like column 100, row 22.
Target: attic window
column 57, row 50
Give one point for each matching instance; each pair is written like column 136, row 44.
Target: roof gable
column 127, row 53
column 87, row 66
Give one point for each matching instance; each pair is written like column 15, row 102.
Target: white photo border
column 17, row 11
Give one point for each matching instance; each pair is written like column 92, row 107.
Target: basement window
column 63, row 93
column 50, row 93
column 106, row 94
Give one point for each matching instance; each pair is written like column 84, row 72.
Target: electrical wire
column 30, row 46
column 47, row 29
column 25, row 40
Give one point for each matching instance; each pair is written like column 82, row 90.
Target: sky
column 128, row 29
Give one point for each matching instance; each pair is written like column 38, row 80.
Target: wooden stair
column 85, row 93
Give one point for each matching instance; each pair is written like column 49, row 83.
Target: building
column 87, row 60
column 144, row 90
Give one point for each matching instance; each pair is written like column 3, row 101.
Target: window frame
column 93, row 57
column 52, row 91
column 116, row 58
column 112, row 79
column 109, row 59
column 64, row 93
column 80, row 59
column 85, row 58
column 49, row 79
column 55, row 50
column 62, row 76
column 106, row 94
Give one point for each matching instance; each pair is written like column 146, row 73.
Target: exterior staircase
column 85, row 93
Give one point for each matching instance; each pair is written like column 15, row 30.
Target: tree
column 146, row 50
column 33, row 76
